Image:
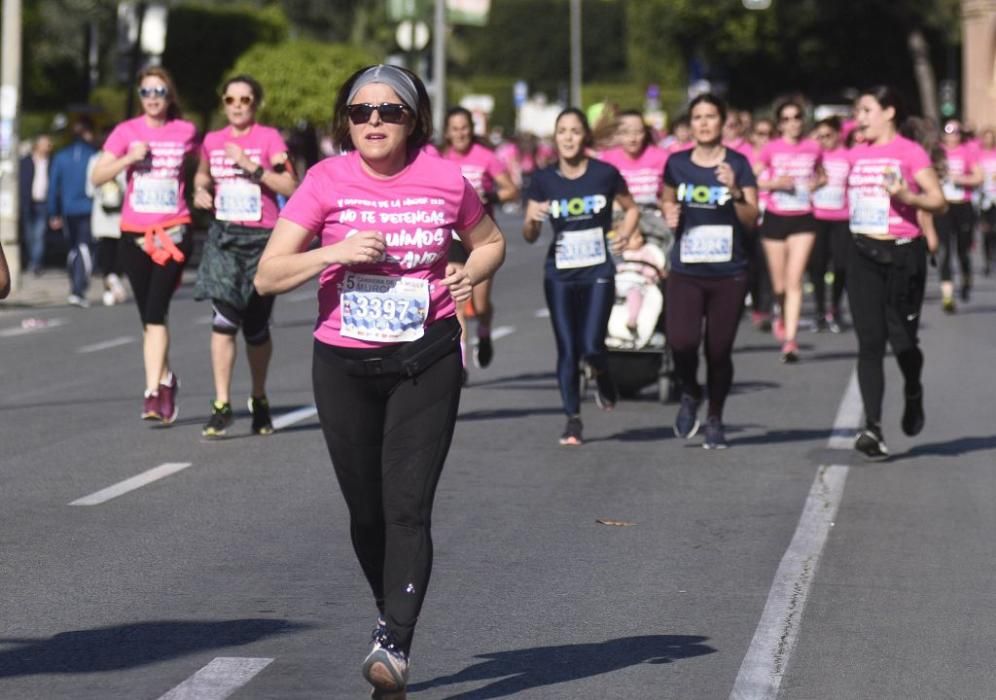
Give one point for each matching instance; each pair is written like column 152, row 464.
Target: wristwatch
column 739, row 196
column 257, row 174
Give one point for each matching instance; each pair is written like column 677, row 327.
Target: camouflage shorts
column 228, row 263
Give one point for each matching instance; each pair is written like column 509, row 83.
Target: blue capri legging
column 579, row 312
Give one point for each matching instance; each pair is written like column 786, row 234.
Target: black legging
column 954, row 228
column 987, row 219
column 579, row 313
column 720, row 301
column 885, row 285
column 388, row 437
column 758, row 277
column 153, row 285
column 833, row 240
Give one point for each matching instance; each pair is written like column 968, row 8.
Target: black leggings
column 254, row 320
column 152, row 284
column 108, row 256
column 833, row 240
column 758, row 278
column 720, row 301
column 885, row 285
column 579, row 313
column 954, row 228
column 388, row 437
column 987, row 219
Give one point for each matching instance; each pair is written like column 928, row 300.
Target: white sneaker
column 117, row 288
column 108, row 298
column 79, row 301
column 386, row 666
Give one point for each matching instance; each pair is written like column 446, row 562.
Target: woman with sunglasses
column 155, row 149
column 243, row 167
column 576, row 195
column 956, row 226
column 492, row 183
column 833, row 238
column 387, row 369
column 710, row 200
column 788, row 169
column 890, row 185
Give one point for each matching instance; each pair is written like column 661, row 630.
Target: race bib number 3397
column 382, row 309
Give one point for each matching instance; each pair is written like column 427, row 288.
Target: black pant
column 833, row 240
column 758, row 277
column 153, row 285
column 885, row 285
column 987, row 219
column 388, row 437
column 108, row 255
column 954, row 228
column 720, row 301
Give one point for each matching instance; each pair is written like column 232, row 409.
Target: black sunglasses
column 157, row 91
column 244, row 100
column 390, row 112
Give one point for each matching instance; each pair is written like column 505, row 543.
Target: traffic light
column 948, row 97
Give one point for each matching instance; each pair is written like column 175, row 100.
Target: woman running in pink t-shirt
column 987, row 208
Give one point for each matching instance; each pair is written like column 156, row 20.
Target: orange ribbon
column 167, row 250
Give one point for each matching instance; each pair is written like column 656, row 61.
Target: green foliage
column 300, row 78
column 203, row 42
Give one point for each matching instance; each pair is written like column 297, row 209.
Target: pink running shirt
column 987, row 161
column 830, row 201
column 961, row 159
column 260, row 145
column 644, row 175
column 393, row 300
column 155, row 191
column 873, row 211
column 797, row 161
column 479, row 165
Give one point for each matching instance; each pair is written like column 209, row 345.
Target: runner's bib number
column 238, row 201
column 870, row 213
column 796, row 200
column 155, row 195
column 829, row 197
column 382, row 309
column 707, row 244
column 952, row 192
column 580, row 249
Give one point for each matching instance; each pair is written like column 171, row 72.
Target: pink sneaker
column 150, row 407
column 790, row 352
column 778, row 329
column 168, row 390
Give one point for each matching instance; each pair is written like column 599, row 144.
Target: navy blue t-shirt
column 581, row 216
column 710, row 240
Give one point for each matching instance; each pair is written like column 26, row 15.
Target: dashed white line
column 105, row 345
column 219, row 679
column 295, row 416
column 542, row 313
column 135, row 482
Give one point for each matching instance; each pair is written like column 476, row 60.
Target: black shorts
column 778, row 227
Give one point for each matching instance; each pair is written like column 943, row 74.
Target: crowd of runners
column 678, row 233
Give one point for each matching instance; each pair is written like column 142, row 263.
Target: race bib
column 952, row 192
column 580, row 249
column 155, row 195
column 382, row 309
column 829, row 197
column 707, row 244
column 796, row 200
column 238, row 200
column 870, row 213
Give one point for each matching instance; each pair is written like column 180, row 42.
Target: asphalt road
column 234, row 573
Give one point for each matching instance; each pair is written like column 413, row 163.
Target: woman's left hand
column 458, row 282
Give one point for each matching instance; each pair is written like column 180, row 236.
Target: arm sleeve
column 117, row 143
column 669, row 178
column 495, row 167
column 745, row 174
column 471, row 209
column 307, row 207
column 535, row 189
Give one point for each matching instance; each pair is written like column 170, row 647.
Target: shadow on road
column 514, row 672
column 512, row 379
column 952, row 448
column 777, row 436
column 498, row 413
column 128, row 646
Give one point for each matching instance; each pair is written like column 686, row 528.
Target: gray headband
column 394, row 78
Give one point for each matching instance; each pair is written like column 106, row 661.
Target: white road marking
column 774, row 639
column 542, row 313
column 296, row 416
column 498, row 333
column 219, row 679
column 30, row 325
column 135, row 482
column 848, row 420
column 112, row 343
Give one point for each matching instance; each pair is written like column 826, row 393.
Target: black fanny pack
column 883, row 251
column 411, row 359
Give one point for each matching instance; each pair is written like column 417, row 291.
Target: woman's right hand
column 203, row 198
column 360, row 247
column 137, row 151
column 537, row 212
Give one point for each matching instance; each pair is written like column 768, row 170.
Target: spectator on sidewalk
column 33, row 193
column 105, row 225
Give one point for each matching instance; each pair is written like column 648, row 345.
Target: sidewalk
column 51, row 289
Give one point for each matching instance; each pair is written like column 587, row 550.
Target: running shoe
column 221, row 418
column 913, row 416
column 572, row 432
column 833, row 323
column 871, row 444
column 790, row 352
column 948, row 305
column 77, row 300
column 262, row 423
column 820, row 324
column 168, row 390
column 150, row 407
column 715, row 434
column 484, row 352
column 606, row 393
column 686, row 423
column 386, row 666
column 761, row 321
column 108, row 298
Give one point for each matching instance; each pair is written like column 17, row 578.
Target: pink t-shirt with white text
column 644, row 175
column 987, row 161
column 155, row 191
column 797, row 161
column 830, row 201
column 415, row 210
column 961, row 159
column 479, row 165
column 260, row 144
column 866, row 183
